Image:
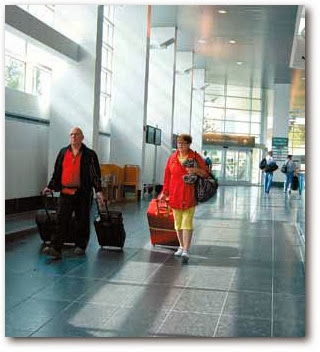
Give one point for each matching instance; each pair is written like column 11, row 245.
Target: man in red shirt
column 76, row 173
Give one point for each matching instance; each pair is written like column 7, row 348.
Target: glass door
column 237, row 166
column 231, row 166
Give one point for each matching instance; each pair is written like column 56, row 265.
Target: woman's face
column 183, row 146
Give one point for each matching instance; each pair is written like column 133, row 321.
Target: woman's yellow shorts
column 183, row 219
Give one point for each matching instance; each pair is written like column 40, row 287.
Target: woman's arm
column 201, row 170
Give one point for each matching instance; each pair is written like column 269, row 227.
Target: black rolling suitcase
column 109, row 228
column 46, row 222
column 294, row 183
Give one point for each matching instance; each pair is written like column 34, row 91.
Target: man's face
column 76, row 137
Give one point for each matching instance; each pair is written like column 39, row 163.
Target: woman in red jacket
column 178, row 187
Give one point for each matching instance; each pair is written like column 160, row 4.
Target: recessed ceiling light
column 222, row 11
column 239, row 63
column 232, row 41
column 202, row 41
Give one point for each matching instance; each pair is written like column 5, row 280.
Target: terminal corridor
column 245, row 276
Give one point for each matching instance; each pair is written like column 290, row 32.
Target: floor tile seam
column 229, row 291
column 51, row 319
column 223, row 304
column 157, row 269
column 170, row 310
column 31, row 296
column 244, row 316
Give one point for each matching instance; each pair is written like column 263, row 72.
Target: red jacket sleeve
column 167, row 178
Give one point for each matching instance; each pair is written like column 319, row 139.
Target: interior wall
column 31, row 148
column 26, row 158
column 160, row 98
column 197, row 109
column 183, row 86
column 126, row 125
column 26, row 145
column 72, row 97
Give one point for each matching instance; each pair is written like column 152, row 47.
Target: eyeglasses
column 182, row 143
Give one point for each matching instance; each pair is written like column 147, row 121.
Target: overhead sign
column 279, row 142
column 228, row 140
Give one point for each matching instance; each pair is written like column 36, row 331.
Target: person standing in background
column 268, row 173
column 291, row 168
column 207, row 161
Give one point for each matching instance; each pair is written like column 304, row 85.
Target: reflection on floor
column 245, row 277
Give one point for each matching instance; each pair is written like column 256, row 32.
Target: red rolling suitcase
column 109, row 227
column 161, row 224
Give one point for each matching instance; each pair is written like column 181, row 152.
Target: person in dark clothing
column 76, row 173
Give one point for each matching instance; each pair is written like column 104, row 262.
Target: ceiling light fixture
column 239, row 63
column 222, row 11
column 232, row 41
column 202, row 41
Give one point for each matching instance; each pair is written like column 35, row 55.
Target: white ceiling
column 263, row 35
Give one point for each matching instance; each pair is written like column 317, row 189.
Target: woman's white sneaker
column 178, row 252
column 185, row 256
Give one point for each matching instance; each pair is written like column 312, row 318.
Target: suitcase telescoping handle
column 102, row 207
column 45, row 203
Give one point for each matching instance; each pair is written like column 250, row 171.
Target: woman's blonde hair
column 184, row 138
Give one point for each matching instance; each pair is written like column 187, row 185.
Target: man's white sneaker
column 178, row 252
column 185, row 256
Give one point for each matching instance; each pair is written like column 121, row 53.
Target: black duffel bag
column 205, row 188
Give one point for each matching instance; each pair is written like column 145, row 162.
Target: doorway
column 231, row 166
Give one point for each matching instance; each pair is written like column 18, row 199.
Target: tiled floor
column 245, row 277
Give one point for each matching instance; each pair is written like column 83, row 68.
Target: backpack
column 284, row 168
column 263, row 164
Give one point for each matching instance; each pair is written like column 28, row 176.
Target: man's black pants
column 80, row 204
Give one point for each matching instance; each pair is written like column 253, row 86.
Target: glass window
column 14, row 73
column 237, row 127
column 256, row 104
column 104, row 105
column 38, row 56
column 103, row 82
column 41, row 81
column 215, row 89
column 215, row 101
column 255, row 116
column 238, row 115
column 238, row 91
column 107, row 61
column 255, row 128
column 15, row 45
column 212, row 113
column 238, row 103
column 212, row 126
column 44, row 13
column 256, row 93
